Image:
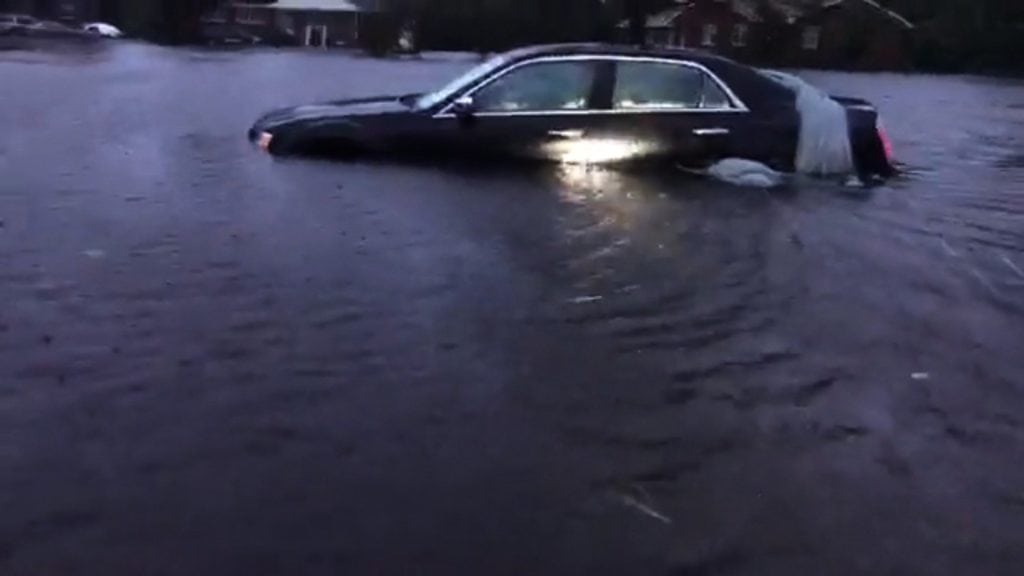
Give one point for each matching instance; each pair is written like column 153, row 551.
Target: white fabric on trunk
column 824, row 145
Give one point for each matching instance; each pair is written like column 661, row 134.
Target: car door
column 673, row 110
column 538, row 110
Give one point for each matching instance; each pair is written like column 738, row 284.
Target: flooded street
column 214, row 362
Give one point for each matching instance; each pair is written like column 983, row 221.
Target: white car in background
column 103, row 29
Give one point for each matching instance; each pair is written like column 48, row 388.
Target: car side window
column 540, row 87
column 662, row 85
column 713, row 96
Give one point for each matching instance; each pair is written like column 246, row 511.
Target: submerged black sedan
column 579, row 103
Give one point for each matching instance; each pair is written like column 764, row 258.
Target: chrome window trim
column 609, row 112
column 737, row 105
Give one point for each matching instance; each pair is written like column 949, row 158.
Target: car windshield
column 432, row 99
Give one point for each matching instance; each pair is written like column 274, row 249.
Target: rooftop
column 318, row 5
column 790, row 10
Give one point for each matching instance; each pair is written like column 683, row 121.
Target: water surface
column 215, row 362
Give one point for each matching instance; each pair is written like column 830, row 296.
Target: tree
column 171, row 21
column 502, row 24
column 181, row 19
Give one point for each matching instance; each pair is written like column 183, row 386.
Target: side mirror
column 464, row 107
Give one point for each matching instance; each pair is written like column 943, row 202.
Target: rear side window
column 661, row 86
column 714, row 96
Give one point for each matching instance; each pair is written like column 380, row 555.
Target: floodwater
column 213, row 362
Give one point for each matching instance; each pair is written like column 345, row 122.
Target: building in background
column 313, row 23
column 735, row 28
column 661, row 29
column 858, row 34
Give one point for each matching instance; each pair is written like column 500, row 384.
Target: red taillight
column 886, row 143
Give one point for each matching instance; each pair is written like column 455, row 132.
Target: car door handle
column 566, row 134
column 710, row 131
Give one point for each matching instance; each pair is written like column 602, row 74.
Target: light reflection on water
column 595, row 151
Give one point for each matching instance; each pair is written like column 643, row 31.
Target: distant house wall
column 341, row 28
column 78, row 10
column 660, row 29
column 715, row 25
column 317, row 28
column 852, row 34
column 847, row 34
column 245, row 14
column 662, row 36
column 654, row 36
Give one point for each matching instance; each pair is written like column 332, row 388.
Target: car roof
column 621, row 50
column 755, row 89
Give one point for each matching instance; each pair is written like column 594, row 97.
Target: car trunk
column 872, row 152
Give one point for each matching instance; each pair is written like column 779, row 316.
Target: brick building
column 858, row 34
column 314, row 23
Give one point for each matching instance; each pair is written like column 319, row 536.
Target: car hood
column 341, row 109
